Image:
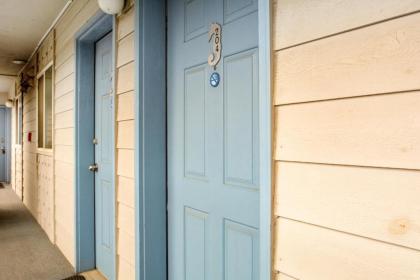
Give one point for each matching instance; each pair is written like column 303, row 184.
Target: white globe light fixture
column 9, row 103
column 111, row 7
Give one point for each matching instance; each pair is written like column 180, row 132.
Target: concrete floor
column 25, row 250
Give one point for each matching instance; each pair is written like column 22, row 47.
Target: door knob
column 3, row 151
column 93, row 167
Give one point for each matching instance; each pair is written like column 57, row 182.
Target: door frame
column 150, row 149
column 7, row 144
column 150, row 139
column 98, row 26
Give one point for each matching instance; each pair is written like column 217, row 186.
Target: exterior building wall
column 29, row 146
column 49, row 176
column 75, row 17
column 17, row 169
column 346, row 139
column 125, row 145
column 32, row 167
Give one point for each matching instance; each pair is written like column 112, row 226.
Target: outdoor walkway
column 25, row 250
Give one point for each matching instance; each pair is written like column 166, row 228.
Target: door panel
column 213, row 142
column 241, row 119
column 195, row 121
column 104, row 187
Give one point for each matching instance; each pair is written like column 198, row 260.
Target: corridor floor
column 25, row 250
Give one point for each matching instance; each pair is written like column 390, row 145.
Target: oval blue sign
column 214, row 79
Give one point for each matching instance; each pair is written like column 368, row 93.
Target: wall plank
column 64, row 119
column 125, row 134
column 125, row 191
column 311, row 252
column 64, row 136
column 298, row 21
column 64, row 171
column 125, row 78
column 65, row 69
column 64, row 102
column 125, row 270
column 126, row 24
column 382, row 131
column 125, row 217
column 65, row 86
column 376, row 59
column 64, row 54
column 372, row 202
column 125, row 109
column 126, row 247
column 125, row 50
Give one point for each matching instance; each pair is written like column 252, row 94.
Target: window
column 45, row 109
column 18, row 120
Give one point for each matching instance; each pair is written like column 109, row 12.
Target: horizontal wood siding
column 125, row 146
column 312, row 252
column 29, row 147
column 46, row 194
column 48, row 177
column 351, row 64
column 300, row 21
column 75, row 17
column 18, row 171
column 346, row 134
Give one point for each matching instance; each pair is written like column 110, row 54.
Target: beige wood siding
column 18, row 171
column 47, row 177
column 346, row 139
column 75, row 17
column 32, row 169
column 46, row 194
column 29, row 148
column 125, row 146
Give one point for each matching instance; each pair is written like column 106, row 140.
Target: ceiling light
column 19, row 61
column 111, row 6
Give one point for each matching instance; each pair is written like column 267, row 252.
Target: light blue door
column 213, row 141
column 3, row 145
column 104, row 186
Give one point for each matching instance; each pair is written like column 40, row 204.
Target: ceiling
column 22, row 25
column 5, row 83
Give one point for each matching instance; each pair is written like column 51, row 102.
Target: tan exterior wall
column 49, row 176
column 125, row 146
column 346, row 139
column 17, row 174
column 75, row 17
column 35, row 185
column 29, row 148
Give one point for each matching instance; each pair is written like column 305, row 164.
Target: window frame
column 41, row 75
column 18, row 120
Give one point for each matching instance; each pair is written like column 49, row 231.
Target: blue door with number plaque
column 104, row 185
column 213, row 140
column 4, row 144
